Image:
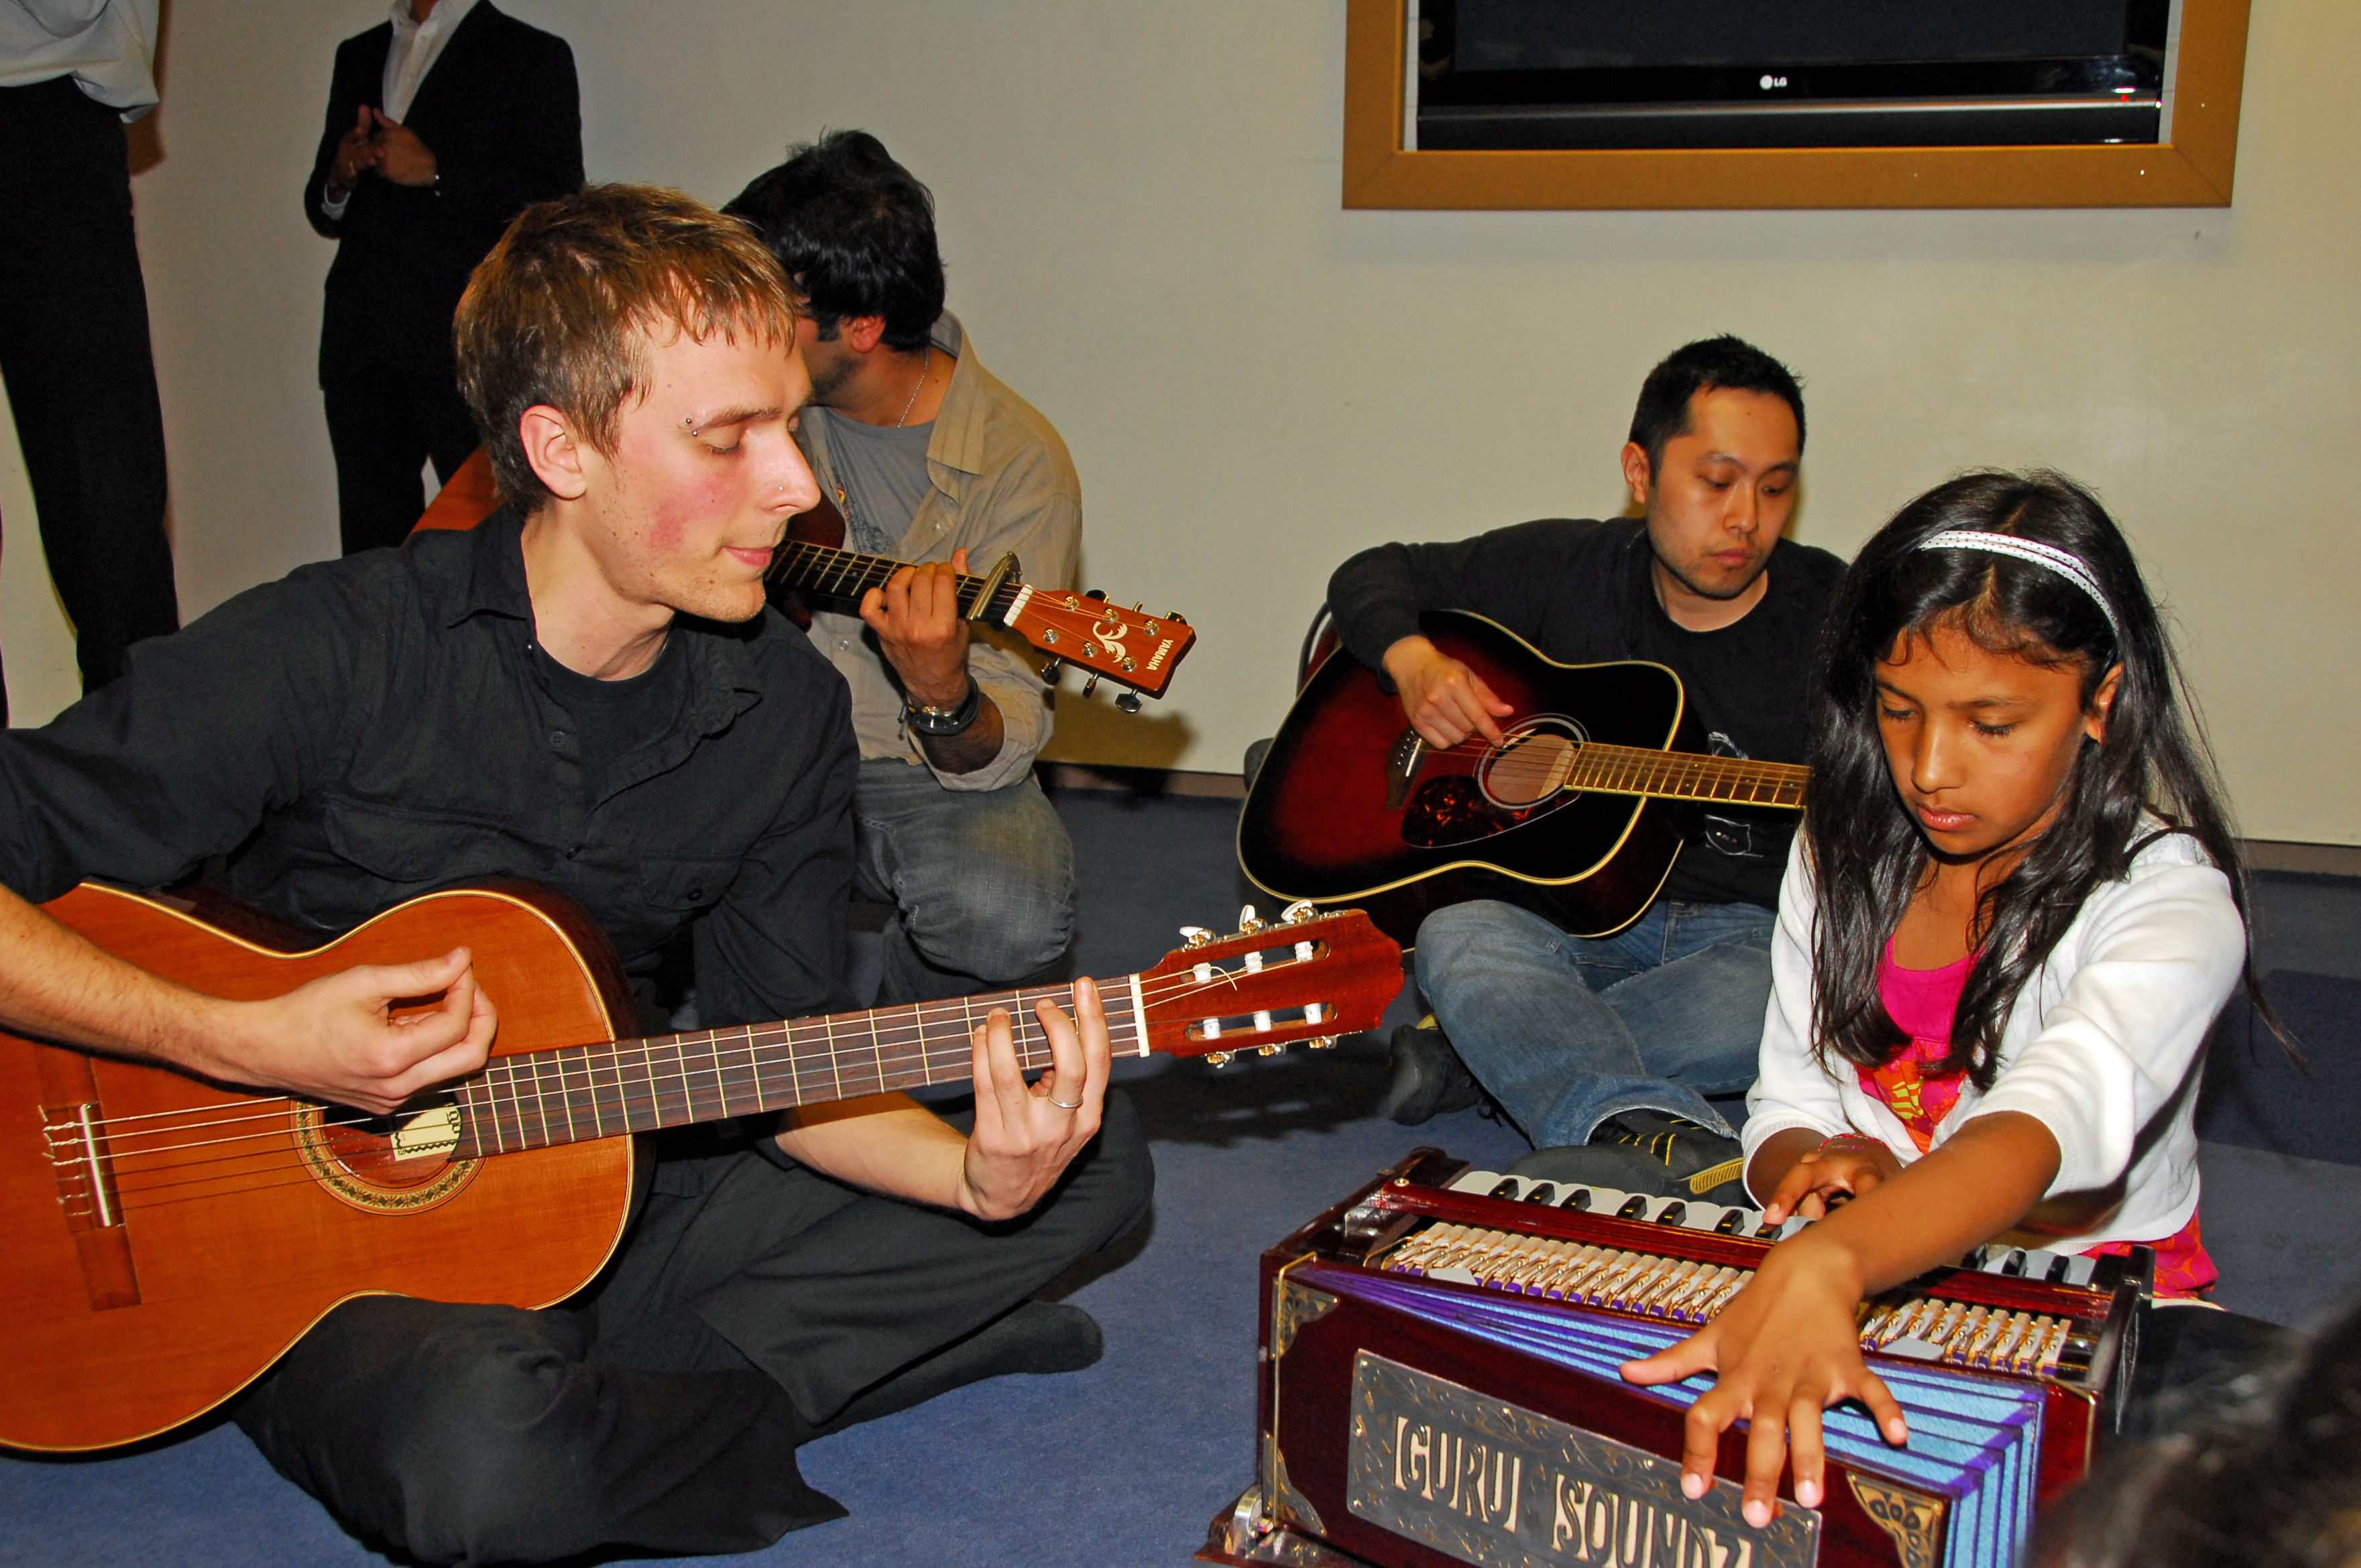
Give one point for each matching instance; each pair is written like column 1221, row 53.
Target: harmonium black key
column 1438, row 1384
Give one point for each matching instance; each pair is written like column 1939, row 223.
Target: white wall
column 1139, row 208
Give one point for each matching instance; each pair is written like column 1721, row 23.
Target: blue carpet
column 2257, row 1097
column 1125, row 1463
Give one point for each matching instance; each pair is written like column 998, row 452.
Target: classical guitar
column 165, row 1239
column 1122, row 645
column 1571, row 816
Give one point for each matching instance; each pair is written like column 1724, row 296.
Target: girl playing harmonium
column 2011, row 918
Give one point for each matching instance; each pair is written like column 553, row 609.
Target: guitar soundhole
column 1533, row 764
column 1521, row 780
column 397, row 1164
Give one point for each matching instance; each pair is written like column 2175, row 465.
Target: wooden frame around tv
column 2193, row 169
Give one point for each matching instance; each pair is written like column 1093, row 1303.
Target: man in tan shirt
column 932, row 461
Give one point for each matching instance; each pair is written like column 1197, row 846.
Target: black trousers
column 752, row 1307
column 384, row 423
column 81, row 376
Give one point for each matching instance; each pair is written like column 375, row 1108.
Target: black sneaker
column 1615, row 1165
column 1694, row 1159
column 1429, row 1077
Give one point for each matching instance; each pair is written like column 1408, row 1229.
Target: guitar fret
column 540, row 1103
column 680, row 1073
column 753, row 1069
column 709, row 1064
column 654, row 1105
column 598, row 1057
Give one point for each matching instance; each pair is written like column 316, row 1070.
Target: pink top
column 1922, row 1003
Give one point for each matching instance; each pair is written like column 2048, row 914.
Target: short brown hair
column 561, row 311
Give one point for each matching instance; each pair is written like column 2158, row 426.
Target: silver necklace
column 924, row 365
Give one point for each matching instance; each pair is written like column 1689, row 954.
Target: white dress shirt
column 2102, row 1047
column 416, row 47
column 108, row 47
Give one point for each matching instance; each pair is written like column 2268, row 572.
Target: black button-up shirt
column 367, row 729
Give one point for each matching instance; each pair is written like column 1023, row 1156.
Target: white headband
column 2032, row 549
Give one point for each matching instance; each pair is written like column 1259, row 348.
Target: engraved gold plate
column 1488, row 1483
column 1914, row 1519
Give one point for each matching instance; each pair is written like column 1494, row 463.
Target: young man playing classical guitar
column 1613, row 1041
column 587, row 691
column 926, row 453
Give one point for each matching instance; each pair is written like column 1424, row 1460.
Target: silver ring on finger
column 1062, row 1105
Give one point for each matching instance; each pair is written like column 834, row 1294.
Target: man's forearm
column 973, row 747
column 56, row 984
column 881, row 1142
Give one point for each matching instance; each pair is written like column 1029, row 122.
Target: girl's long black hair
column 1867, row 854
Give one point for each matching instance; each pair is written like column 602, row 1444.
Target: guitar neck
column 536, row 1099
column 832, row 573
column 1686, row 776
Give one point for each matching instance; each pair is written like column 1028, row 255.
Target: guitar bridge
column 74, row 1129
column 1401, row 768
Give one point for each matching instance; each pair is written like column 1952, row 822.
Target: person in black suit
column 74, row 348
column 443, row 123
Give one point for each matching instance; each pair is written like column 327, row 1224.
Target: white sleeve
column 2157, row 959
column 1791, row 1087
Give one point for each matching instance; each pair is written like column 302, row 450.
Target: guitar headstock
column 1126, row 646
column 1310, row 975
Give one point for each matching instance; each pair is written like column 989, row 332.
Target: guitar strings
column 1523, row 768
column 274, row 1157
column 133, row 1192
column 1518, row 746
column 929, row 1055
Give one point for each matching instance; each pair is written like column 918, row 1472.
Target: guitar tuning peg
column 1323, row 1043
column 1248, row 924
column 1090, row 685
column 1050, row 671
column 1129, row 702
column 1196, row 935
column 1219, row 1058
column 1278, row 1050
column 1139, row 604
column 1296, row 913
column 1094, row 593
column 1176, row 618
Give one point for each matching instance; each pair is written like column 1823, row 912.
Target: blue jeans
column 982, row 882
column 1566, row 1031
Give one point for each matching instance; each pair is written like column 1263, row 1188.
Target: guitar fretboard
column 1686, row 776
column 832, row 573
column 535, row 1099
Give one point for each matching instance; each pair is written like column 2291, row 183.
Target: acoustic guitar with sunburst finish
column 166, row 1239
column 1576, row 814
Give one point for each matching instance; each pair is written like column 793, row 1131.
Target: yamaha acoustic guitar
column 165, row 1239
column 1576, row 814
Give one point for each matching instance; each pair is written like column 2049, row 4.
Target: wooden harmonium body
column 1439, row 1385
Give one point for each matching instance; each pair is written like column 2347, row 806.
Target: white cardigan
column 2102, row 1047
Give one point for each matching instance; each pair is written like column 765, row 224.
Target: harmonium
column 1438, row 1385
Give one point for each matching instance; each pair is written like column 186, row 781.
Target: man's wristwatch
column 940, row 722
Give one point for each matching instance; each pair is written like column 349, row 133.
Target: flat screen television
column 1596, row 74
